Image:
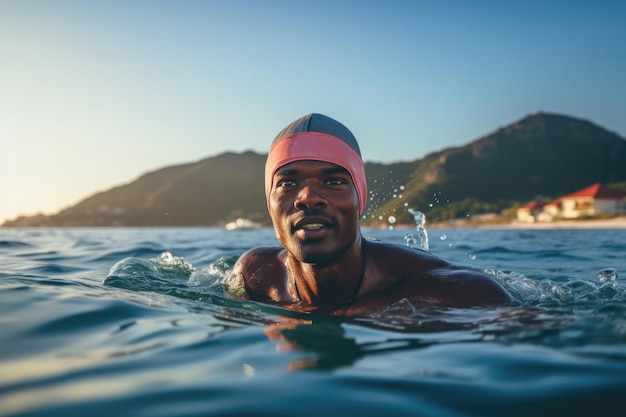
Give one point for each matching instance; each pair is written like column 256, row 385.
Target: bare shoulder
column 253, row 258
column 255, row 270
column 463, row 287
column 423, row 277
column 396, row 260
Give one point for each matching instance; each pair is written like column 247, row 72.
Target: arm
column 458, row 287
column 424, row 278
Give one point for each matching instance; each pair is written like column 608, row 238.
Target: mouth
column 312, row 227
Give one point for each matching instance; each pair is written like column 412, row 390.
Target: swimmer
column 316, row 191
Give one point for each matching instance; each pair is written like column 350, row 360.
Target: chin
column 317, row 257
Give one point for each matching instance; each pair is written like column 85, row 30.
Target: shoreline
column 613, row 223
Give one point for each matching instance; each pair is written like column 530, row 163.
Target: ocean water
column 135, row 322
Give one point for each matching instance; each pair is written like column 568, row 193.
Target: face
column 315, row 210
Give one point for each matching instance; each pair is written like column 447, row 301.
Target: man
column 316, row 191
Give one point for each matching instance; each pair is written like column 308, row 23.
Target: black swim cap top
column 316, row 122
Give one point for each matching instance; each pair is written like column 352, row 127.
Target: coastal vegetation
column 541, row 156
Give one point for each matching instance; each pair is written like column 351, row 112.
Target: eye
column 336, row 181
column 286, row 183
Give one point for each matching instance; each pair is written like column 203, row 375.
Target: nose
column 309, row 196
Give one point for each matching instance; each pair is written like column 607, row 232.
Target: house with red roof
column 550, row 211
column 595, row 200
column 529, row 212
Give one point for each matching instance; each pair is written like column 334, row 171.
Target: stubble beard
column 318, row 253
column 318, row 258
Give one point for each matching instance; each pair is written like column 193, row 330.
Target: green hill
column 539, row 155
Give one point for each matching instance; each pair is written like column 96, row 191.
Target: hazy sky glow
column 95, row 93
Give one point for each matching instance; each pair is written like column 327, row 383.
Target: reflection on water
column 332, row 342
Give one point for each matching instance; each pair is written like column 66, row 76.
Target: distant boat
column 243, row 224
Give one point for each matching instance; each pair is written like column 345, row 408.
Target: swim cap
column 319, row 138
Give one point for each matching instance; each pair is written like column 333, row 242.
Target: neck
column 329, row 285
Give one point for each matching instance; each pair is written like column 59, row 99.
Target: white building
column 594, row 200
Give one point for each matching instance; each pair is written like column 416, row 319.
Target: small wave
column 143, row 251
column 561, row 255
column 171, row 275
column 55, row 269
column 14, row 244
column 547, row 292
column 140, row 274
column 498, row 249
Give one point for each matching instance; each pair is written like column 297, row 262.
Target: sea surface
column 136, row 322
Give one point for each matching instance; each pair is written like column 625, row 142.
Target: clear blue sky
column 95, row 93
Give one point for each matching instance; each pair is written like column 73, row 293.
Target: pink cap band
column 317, row 146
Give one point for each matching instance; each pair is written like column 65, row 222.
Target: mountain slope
column 541, row 154
column 208, row 192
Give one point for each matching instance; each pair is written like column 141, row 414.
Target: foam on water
column 171, row 274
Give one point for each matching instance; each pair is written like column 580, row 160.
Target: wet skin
column 324, row 263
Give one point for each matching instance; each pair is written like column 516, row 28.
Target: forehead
column 311, row 168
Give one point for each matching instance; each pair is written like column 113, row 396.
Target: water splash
column 159, row 274
column 391, row 220
column 607, row 275
column 165, row 272
column 420, row 239
column 214, row 274
column 166, row 262
column 169, row 274
column 547, row 292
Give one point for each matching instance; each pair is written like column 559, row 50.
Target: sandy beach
column 613, row 223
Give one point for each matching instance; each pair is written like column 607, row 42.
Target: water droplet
column 443, row 237
column 608, row 274
column 380, row 217
column 402, row 187
column 410, row 240
column 422, row 238
column 472, row 256
column 391, row 219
